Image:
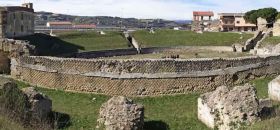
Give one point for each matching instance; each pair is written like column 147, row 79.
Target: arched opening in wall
column 5, row 63
column 227, row 66
column 249, row 76
column 234, row 78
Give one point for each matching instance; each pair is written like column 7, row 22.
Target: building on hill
column 235, row 22
column 202, row 20
column 60, row 25
column 202, row 15
column 16, row 21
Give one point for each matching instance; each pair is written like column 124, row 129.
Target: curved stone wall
column 132, row 51
column 141, row 77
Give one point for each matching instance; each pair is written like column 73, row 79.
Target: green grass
column 75, row 41
column 93, row 41
column 173, row 112
column 161, row 113
column 262, row 92
column 271, row 41
column 70, row 42
column 262, row 86
column 171, row 38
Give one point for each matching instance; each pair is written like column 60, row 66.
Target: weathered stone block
column 274, row 89
column 276, row 28
column 120, row 113
column 5, row 81
column 41, row 105
column 227, row 108
column 205, row 114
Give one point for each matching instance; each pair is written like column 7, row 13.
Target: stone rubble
column 120, row 113
column 228, row 109
column 274, row 89
column 30, row 107
column 276, row 28
column 269, row 50
column 40, row 104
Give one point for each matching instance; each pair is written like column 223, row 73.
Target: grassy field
column 271, row 41
column 70, row 42
column 165, row 38
column 161, row 113
column 94, row 41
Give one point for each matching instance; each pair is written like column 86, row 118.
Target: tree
column 267, row 13
column 278, row 16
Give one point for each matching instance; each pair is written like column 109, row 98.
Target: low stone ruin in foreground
column 40, row 104
column 228, row 108
column 27, row 106
column 120, row 113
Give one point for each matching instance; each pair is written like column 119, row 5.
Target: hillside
column 43, row 17
column 171, row 38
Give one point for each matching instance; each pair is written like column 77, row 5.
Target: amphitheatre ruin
column 125, row 72
column 142, row 73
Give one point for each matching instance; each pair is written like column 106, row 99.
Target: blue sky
column 167, row 9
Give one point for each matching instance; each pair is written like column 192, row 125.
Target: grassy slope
column 70, row 42
column 94, row 41
column 161, row 113
column 163, row 38
column 271, row 41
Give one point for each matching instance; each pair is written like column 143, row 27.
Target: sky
column 165, row 9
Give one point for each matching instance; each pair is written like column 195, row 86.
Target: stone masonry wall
column 132, row 51
column 141, row 77
column 152, row 66
column 16, row 48
column 12, row 49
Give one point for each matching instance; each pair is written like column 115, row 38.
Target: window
column 10, row 28
column 21, row 16
column 21, row 28
column 14, row 15
column 238, row 22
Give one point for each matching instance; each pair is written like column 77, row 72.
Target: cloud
column 167, row 9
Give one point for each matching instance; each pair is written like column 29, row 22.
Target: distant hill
column 43, row 17
column 183, row 21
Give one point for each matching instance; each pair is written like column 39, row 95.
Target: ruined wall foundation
column 141, row 77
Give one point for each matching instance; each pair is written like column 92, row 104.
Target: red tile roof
column 60, row 23
column 85, row 26
column 203, row 13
